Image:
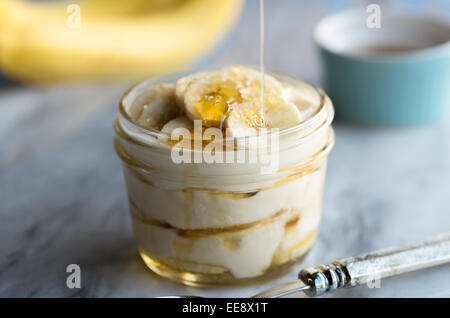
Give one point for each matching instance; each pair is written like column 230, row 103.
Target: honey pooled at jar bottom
column 195, row 274
column 228, row 251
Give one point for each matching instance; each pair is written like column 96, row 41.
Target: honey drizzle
column 261, row 49
column 197, row 233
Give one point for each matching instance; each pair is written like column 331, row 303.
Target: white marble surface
column 63, row 197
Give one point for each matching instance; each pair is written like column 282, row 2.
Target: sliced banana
column 244, row 121
column 179, row 122
column 212, row 96
column 206, row 97
column 237, row 126
column 180, row 131
column 283, row 115
column 155, row 107
column 227, row 99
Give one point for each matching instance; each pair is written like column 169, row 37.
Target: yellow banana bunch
column 42, row 42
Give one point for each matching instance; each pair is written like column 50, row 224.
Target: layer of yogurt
column 247, row 249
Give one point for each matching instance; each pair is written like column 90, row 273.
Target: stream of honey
column 261, row 60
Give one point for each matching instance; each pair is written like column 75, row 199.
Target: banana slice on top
column 212, row 96
column 155, row 107
column 176, row 129
column 246, row 121
column 283, row 115
column 243, row 121
column 179, row 122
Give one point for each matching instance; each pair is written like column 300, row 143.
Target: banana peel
column 115, row 38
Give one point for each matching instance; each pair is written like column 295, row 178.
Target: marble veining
column 63, row 197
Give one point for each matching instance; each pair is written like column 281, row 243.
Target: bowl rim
column 431, row 52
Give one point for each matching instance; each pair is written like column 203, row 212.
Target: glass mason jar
column 224, row 223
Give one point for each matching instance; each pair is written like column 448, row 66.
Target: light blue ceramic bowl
column 371, row 81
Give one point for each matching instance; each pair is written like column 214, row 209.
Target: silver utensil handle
column 380, row 264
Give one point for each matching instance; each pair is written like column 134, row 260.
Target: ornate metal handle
column 380, row 264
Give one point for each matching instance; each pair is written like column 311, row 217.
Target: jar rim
column 324, row 113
